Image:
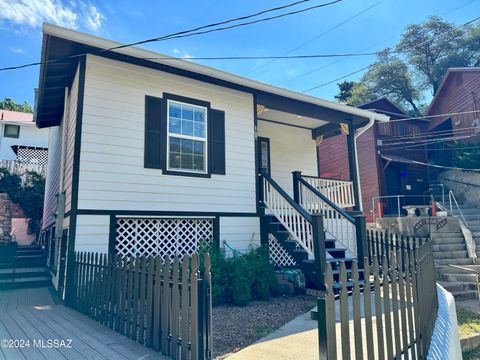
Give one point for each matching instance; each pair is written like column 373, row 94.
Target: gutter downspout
column 357, row 134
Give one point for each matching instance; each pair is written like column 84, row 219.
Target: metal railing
column 375, row 199
column 337, row 223
column 441, row 186
column 339, row 192
column 294, row 218
column 452, row 199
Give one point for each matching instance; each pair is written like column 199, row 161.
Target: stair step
column 23, row 272
column 455, row 286
column 453, row 261
column 449, row 247
column 465, row 295
column 450, row 254
column 470, row 278
column 27, row 282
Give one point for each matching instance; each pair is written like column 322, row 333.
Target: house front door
column 264, row 155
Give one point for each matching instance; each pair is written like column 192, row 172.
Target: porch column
column 352, row 166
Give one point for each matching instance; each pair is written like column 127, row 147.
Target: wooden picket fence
column 388, row 311
column 161, row 304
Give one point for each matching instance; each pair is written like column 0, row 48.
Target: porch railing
column 338, row 224
column 396, row 317
column 339, row 192
column 160, row 304
column 296, row 220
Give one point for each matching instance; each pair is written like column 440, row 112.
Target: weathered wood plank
column 357, row 316
column 184, row 325
column 157, row 305
column 165, row 312
column 174, row 350
column 367, row 303
column 378, row 310
column 129, row 293
column 150, row 292
column 395, row 308
column 208, row 280
column 142, row 301
column 344, row 322
column 386, row 308
column 330, row 314
column 136, row 297
column 403, row 310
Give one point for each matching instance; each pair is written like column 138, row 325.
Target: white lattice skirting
column 278, row 255
column 164, row 236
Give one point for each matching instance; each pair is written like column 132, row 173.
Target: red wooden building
column 385, row 160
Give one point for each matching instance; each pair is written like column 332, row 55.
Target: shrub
column 240, row 278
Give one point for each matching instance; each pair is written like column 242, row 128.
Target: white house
column 21, row 140
column 153, row 155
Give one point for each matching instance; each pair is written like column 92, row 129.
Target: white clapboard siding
column 92, row 233
column 240, row 233
column 112, row 175
column 291, row 149
column 70, row 123
column 52, row 179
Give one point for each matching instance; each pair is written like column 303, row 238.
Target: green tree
column 345, row 93
column 436, row 45
column 9, row 104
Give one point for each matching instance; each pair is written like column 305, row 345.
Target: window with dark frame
column 186, row 137
column 11, row 131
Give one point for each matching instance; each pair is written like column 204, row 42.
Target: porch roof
column 69, row 46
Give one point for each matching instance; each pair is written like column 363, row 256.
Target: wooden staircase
column 28, row 270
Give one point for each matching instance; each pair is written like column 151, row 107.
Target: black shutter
column 217, row 142
column 153, row 133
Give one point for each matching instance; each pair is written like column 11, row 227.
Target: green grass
column 468, row 323
column 263, row 331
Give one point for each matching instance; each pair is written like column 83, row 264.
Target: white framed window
column 11, row 131
column 186, row 137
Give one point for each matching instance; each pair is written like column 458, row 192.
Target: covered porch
column 288, row 132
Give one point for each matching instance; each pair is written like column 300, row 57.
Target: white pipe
column 357, row 134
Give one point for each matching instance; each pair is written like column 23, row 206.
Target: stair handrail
column 332, row 216
column 467, row 233
column 341, row 191
column 440, row 185
column 291, row 215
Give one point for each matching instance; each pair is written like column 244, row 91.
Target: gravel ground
column 236, row 327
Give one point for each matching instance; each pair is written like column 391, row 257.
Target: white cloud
column 32, row 13
column 17, row 51
column 181, row 53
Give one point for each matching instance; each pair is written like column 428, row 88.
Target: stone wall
column 8, row 210
column 465, row 185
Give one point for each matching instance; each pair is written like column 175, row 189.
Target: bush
column 29, row 196
column 240, row 278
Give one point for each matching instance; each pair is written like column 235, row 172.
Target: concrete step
column 457, row 286
column 449, row 247
column 440, row 235
column 464, row 261
column 470, row 278
column 450, row 254
column 448, row 241
column 465, row 295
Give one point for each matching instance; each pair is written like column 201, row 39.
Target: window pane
column 175, row 110
column 200, row 115
column 174, row 160
column 187, row 112
column 174, row 144
column 198, row 129
column 198, row 147
column 187, row 161
column 198, row 163
column 187, row 146
column 12, row 131
column 175, row 125
column 187, row 127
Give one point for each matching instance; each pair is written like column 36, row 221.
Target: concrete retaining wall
column 445, row 342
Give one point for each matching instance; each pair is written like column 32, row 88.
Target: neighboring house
column 23, row 147
column 457, row 104
column 150, row 155
column 386, row 168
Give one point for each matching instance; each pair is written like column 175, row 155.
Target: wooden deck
column 32, row 314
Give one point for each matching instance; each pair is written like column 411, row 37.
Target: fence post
column 361, row 236
column 322, row 328
column 318, row 237
column 296, row 176
column 202, row 321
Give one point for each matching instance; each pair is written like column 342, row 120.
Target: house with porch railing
column 151, row 155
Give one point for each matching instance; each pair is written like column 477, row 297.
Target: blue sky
column 128, row 21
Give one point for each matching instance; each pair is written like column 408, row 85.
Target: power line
column 393, row 52
column 437, row 115
column 426, row 141
column 450, row 148
column 408, row 161
column 318, row 36
column 195, row 31
column 437, row 141
column 427, row 135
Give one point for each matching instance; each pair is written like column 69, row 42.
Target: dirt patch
column 236, row 327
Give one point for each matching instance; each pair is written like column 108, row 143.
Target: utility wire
column 408, row 161
column 192, row 32
column 437, row 115
column 428, row 135
column 318, row 36
column 432, row 142
column 393, row 52
column 450, row 148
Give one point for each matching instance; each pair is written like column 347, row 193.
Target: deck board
column 32, row 314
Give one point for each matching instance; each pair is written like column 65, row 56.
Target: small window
column 11, row 131
column 186, row 137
